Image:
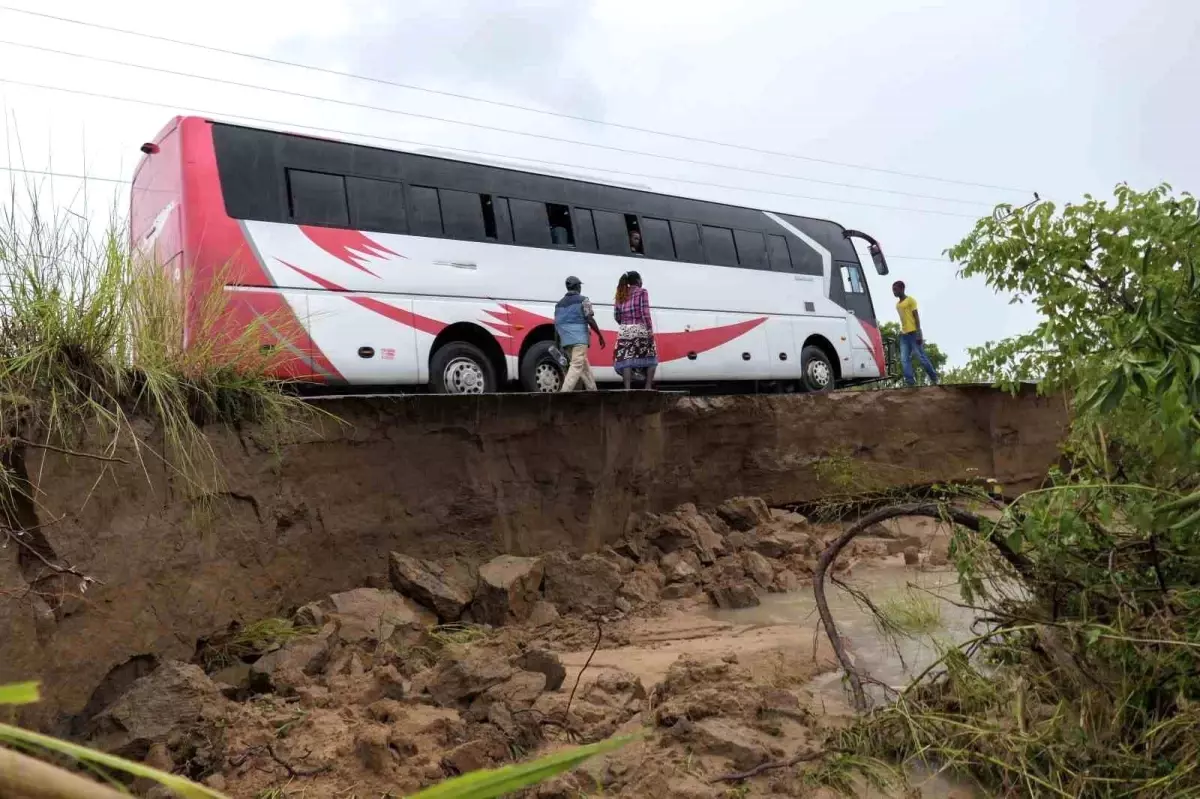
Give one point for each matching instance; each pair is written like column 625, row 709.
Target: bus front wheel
column 539, row 373
column 461, row 368
column 818, row 374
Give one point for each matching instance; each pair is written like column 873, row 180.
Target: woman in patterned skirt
column 635, row 334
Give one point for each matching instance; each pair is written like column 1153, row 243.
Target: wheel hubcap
column 546, row 378
column 819, row 373
column 464, row 376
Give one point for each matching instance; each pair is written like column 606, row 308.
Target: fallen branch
column 599, row 637
column 25, row 777
column 772, row 766
column 1021, row 564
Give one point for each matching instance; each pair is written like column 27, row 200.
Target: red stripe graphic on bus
column 348, row 246
column 875, row 345
column 422, row 323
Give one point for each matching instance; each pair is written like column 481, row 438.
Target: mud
column 458, row 480
column 371, row 697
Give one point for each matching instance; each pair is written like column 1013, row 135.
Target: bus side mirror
column 877, row 256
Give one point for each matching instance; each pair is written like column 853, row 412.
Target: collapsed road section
column 462, row 478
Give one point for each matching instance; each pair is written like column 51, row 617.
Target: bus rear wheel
column 539, row 373
column 817, row 371
column 461, row 368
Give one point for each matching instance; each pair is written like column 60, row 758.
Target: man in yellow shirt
column 912, row 342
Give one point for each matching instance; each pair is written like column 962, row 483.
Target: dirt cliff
column 454, row 479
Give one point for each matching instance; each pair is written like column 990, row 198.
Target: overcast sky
column 1063, row 97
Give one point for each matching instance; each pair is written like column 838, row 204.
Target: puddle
column 894, row 661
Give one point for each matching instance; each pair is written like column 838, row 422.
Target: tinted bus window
column 777, row 254
column 315, row 198
column 656, row 239
column 718, row 246
column 462, row 215
column 530, row 224
column 686, row 236
column 425, row 213
column 562, row 232
column 751, row 249
column 612, row 235
column 376, row 205
column 585, row 229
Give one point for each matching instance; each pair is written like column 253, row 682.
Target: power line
column 477, row 125
column 337, row 132
column 122, row 181
column 503, row 104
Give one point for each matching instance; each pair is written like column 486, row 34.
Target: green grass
column 253, row 639
column 914, row 612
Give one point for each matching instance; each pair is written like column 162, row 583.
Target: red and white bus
column 402, row 269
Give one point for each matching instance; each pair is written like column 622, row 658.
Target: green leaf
column 490, row 783
column 182, row 787
column 21, row 693
column 1116, row 393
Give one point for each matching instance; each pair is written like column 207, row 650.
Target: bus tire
column 816, row 371
column 461, row 368
column 539, row 373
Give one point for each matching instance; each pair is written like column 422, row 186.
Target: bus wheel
column 539, row 372
column 818, row 371
column 461, row 368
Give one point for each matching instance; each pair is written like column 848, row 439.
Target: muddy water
column 891, row 660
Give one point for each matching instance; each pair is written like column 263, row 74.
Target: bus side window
column 377, row 205
column 462, row 215
column 686, row 236
column 852, row 279
column 424, row 211
column 719, row 247
column 317, row 198
column 777, row 253
column 562, row 233
column 585, row 233
column 751, row 249
column 531, row 226
column 611, row 233
column 656, row 239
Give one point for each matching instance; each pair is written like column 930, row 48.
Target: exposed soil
column 458, row 480
column 370, row 699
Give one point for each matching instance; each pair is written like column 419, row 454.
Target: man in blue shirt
column 572, row 318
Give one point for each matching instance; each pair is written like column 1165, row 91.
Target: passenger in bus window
column 635, row 333
column 635, row 242
column 573, row 317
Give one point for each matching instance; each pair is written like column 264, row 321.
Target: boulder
column 587, row 584
column 543, row 662
column 372, row 614
column 460, row 679
column 475, row 755
column 722, row 738
column 677, row 567
column 509, row 586
column 284, row 669
column 912, row 556
column 759, row 569
column 429, row 584
column 680, row 590
column 169, row 700
column 684, row 529
column 744, row 513
column 730, row 596
column 518, row 692
column 642, row 587
column 616, row 689
column 778, row 542
column 542, row 614
column 786, row 581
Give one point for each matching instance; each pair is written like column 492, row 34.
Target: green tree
column 890, row 331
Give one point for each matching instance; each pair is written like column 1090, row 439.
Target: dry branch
column 25, row 777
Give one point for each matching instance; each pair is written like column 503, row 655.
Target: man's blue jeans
column 909, row 345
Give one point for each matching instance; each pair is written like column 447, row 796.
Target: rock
column 744, row 513
column 759, row 569
column 455, row 680
column 166, row 702
column 737, row 541
column 542, row 613
column 429, row 584
column 284, row 669
column 685, row 529
column 543, row 662
column 677, row 568
column 372, row 748
column 680, row 590
column 870, row 548
column 624, row 565
column 616, row 689
column 912, row 556
column 642, row 587
column 788, row 517
column 586, row 584
column 508, row 588
column 778, row 542
column 372, row 614
column 734, row 595
column 311, row 615
column 896, row 546
column 390, row 683
column 786, row 581
column 475, row 755
column 233, row 680
column 623, row 605
column 216, row 782
column 518, row 692
column 719, row 737
column 386, row 711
